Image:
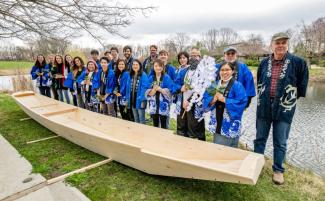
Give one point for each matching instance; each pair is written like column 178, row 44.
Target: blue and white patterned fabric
column 233, row 111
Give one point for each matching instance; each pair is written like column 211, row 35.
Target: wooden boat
column 152, row 150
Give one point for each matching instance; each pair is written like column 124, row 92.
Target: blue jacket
column 99, row 65
column 169, row 69
column 123, row 87
column 70, row 80
column 245, row 77
column 291, row 85
column 164, row 102
column 142, row 88
column 179, row 80
column 94, row 80
column 43, row 80
column 233, row 112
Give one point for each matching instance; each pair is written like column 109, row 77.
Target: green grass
column 11, row 65
column 114, row 181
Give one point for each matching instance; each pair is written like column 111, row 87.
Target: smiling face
column 280, row 47
column 68, row 58
column 127, row 53
column 135, row 66
column 77, row 62
column 230, row 56
column 121, row 66
column 163, row 57
column 91, row 67
column 40, row 59
column 157, row 68
column 225, row 72
column 104, row 64
column 114, row 54
column 153, row 52
column 58, row 59
column 183, row 60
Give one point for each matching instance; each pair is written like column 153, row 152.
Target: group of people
column 111, row 85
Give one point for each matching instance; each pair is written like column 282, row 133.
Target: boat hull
column 148, row 149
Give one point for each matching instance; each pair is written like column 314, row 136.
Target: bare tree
column 181, row 41
column 210, row 40
column 64, row 18
column 228, row 36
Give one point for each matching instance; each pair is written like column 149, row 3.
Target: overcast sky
column 196, row 17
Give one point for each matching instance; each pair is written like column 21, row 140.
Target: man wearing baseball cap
column 282, row 78
column 241, row 72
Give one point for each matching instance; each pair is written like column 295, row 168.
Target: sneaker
column 278, row 178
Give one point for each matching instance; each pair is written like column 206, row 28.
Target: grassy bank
column 114, row 181
column 15, row 67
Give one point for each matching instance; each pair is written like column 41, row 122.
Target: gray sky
column 196, row 17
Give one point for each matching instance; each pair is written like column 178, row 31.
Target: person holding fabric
column 41, row 73
column 226, row 99
column 282, row 78
column 187, row 121
column 159, row 95
column 106, row 80
column 88, row 81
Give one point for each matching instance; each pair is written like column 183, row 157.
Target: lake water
column 306, row 146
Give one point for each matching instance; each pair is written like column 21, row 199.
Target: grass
column 114, row 181
column 7, row 65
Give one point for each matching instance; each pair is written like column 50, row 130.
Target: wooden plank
column 45, row 105
column 22, row 94
column 24, row 119
column 43, row 139
column 25, row 192
column 62, row 177
column 60, row 112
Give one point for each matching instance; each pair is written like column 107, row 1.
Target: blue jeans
column 280, row 137
column 139, row 115
column 223, row 140
column 45, row 91
column 66, row 95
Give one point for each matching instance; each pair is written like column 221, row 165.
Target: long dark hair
column 38, row 64
column 117, row 71
column 132, row 72
column 75, row 67
column 185, row 54
column 66, row 63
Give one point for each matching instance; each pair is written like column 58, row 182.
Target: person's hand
column 164, row 92
column 185, row 104
column 39, row 74
column 118, row 94
column 184, row 88
column 220, row 97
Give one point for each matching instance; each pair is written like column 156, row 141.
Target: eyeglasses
column 230, row 53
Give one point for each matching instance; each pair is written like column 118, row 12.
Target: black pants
column 189, row 125
column 46, row 91
column 182, row 127
column 156, row 118
column 54, row 92
column 126, row 114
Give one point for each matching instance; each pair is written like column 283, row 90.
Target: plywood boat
column 152, row 150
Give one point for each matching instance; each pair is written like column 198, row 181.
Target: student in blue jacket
column 121, row 79
column 41, row 73
column 241, row 72
column 71, row 81
column 106, row 80
column 159, row 95
column 227, row 100
column 136, row 88
column 88, row 81
column 168, row 68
